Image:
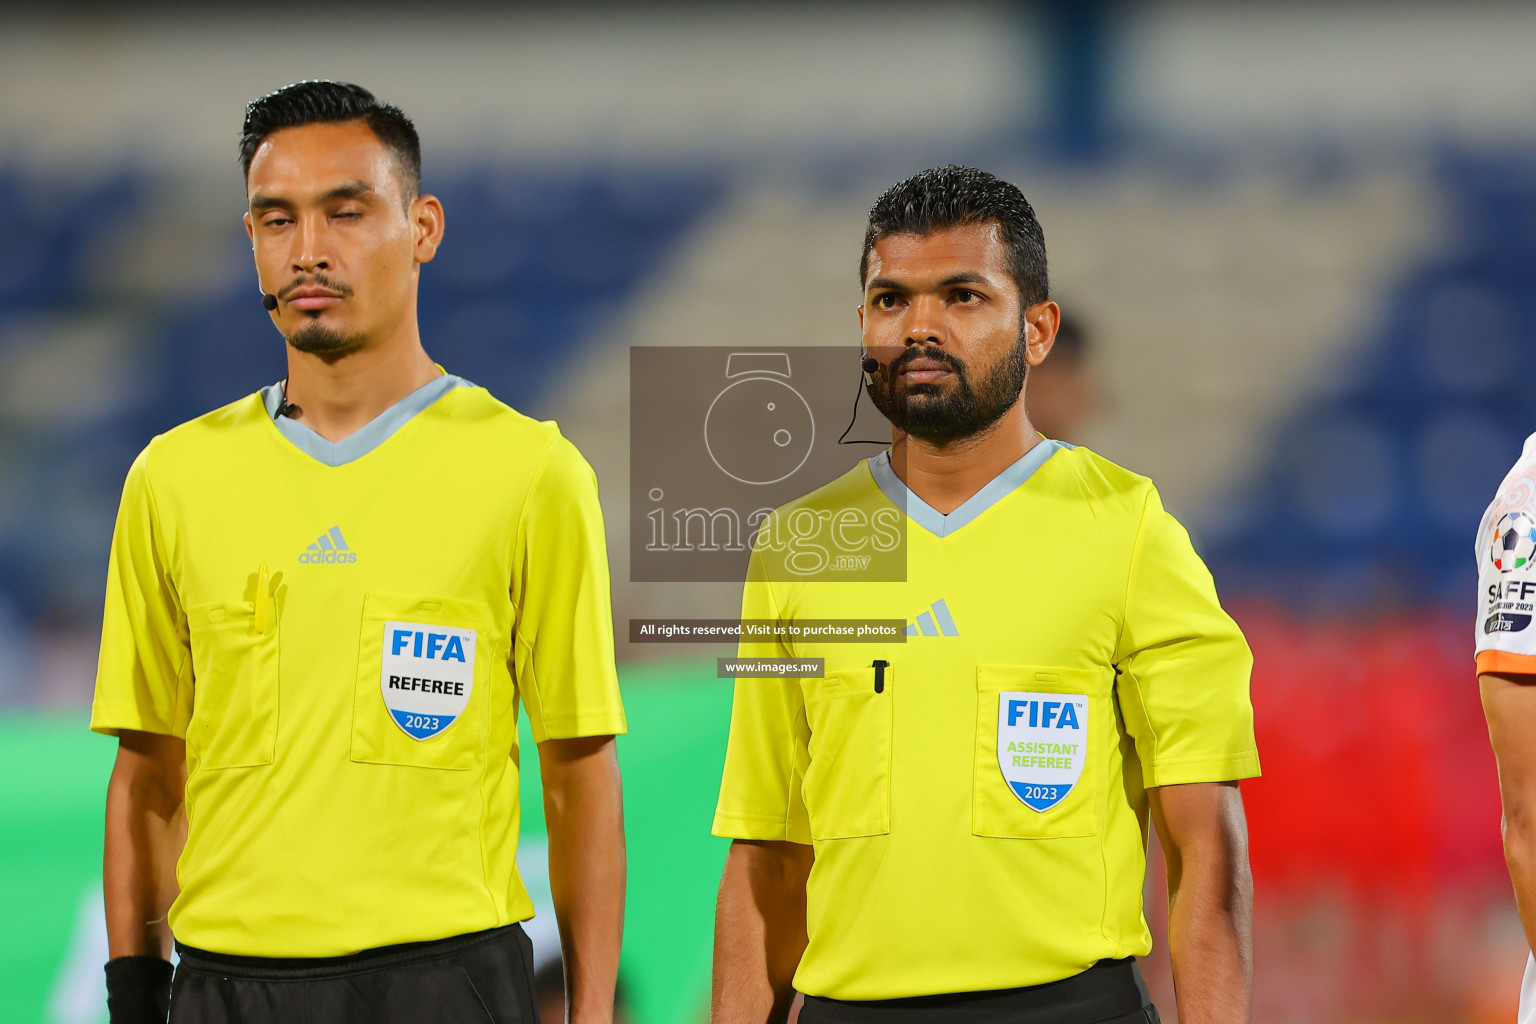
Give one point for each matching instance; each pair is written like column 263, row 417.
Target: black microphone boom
column 870, row 365
column 269, row 301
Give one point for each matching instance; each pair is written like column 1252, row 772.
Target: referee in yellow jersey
column 953, row 828
column 324, row 604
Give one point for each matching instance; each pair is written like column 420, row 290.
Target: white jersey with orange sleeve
column 1506, row 573
column 1506, row 602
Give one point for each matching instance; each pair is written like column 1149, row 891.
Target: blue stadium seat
column 1375, row 492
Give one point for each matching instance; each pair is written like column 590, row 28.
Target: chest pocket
column 1040, row 756
column 235, row 687
column 424, row 683
column 847, row 785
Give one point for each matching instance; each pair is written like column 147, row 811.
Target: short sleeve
column 144, row 671
column 1506, row 579
column 767, row 752
column 563, row 643
column 1183, row 665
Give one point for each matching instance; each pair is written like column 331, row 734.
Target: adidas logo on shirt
column 330, row 549
column 938, row 622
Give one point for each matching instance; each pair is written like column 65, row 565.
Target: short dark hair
column 321, row 102
column 950, row 197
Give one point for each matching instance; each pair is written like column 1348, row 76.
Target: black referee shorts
column 1109, row 992
column 481, row 978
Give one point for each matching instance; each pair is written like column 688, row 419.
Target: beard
column 317, row 339
column 931, row 413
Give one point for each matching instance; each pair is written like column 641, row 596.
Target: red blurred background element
column 1377, row 769
column 1381, row 891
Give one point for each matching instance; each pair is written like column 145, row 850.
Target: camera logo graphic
column 759, row 429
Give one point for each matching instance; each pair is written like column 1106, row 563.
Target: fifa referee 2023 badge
column 950, row 829
column 330, row 677
column 1506, row 666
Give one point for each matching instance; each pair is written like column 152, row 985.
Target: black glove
column 138, row 990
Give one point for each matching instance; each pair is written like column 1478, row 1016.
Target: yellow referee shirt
column 977, row 802
column 341, row 633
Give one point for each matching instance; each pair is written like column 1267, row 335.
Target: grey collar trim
column 999, row 487
column 379, row 430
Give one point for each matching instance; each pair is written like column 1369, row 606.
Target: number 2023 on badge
column 427, row 676
column 1042, row 742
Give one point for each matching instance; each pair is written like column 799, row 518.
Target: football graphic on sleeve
column 1513, row 543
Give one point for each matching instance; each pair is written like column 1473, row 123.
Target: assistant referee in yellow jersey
column 324, row 605
column 953, row 828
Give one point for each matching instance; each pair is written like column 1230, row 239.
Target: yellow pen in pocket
column 263, row 618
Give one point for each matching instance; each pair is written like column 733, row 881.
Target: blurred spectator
column 1063, row 392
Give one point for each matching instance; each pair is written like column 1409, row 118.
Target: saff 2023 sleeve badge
column 1042, row 743
column 1511, row 594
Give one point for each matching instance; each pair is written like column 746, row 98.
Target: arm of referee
column 564, row 666
column 1509, row 702
column 143, row 697
column 1204, row 835
column 146, row 827
column 760, row 930
column 1183, row 689
column 584, row 817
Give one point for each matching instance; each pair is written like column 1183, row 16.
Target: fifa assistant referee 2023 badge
column 1042, row 743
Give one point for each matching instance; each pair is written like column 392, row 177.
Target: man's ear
column 1040, row 323
column 426, row 217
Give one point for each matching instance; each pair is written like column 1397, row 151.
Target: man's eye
column 277, row 222
column 886, row 301
column 348, row 215
column 965, row 295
